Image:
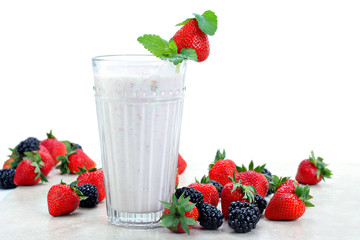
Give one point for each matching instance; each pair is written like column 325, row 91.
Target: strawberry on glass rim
column 189, row 42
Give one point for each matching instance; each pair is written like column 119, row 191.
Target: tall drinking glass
column 139, row 102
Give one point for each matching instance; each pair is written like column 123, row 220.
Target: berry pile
column 32, row 160
column 243, row 200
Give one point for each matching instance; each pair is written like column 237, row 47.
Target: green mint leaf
column 155, row 44
column 207, row 22
column 172, row 46
column 189, row 53
column 184, row 22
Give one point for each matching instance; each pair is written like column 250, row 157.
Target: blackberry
column 92, row 193
column 28, row 145
column 7, row 178
column 260, row 202
column 75, row 146
column 210, row 217
column 195, row 196
column 218, row 186
column 268, row 173
column 243, row 217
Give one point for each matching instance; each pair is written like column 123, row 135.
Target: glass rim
column 119, row 57
column 132, row 58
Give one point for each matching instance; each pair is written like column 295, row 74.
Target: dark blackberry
column 75, row 146
column 243, row 217
column 7, row 178
column 195, row 195
column 268, row 178
column 260, row 202
column 28, row 145
column 92, row 193
column 218, row 186
column 210, row 217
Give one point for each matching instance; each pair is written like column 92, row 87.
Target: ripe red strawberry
column 95, row 177
column 63, row 199
column 254, row 177
column 55, row 147
column 277, row 183
column 288, row 203
column 43, row 157
column 221, row 169
column 73, row 160
column 235, row 191
column 28, row 172
column 290, row 183
column 7, row 163
column 312, row 170
column 177, row 179
column 209, row 191
column 180, row 215
column 190, row 36
column 181, row 164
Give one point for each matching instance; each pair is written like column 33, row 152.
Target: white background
column 281, row 80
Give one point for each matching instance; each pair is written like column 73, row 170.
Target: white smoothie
column 139, row 124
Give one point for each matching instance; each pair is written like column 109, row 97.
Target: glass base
column 135, row 220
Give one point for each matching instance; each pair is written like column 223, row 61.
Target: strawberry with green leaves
column 92, row 176
column 73, row 160
column 63, row 199
column 209, row 191
column 253, row 177
column 190, row 42
column 288, row 203
column 55, row 147
column 180, row 215
column 28, row 172
column 235, row 191
column 312, row 171
column 221, row 169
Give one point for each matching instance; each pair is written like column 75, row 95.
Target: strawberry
column 209, row 191
column 55, row 147
column 28, row 172
column 221, row 169
column 189, row 42
column 277, row 183
column 63, row 199
column 45, row 158
column 190, row 36
column 181, row 164
column 177, row 179
column 312, row 170
column 7, row 163
column 235, row 191
column 73, row 160
column 254, row 177
column 180, row 215
column 92, row 176
column 288, row 203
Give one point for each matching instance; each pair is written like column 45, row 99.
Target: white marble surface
column 24, row 214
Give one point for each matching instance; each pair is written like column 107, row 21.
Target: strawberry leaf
column 207, row 22
column 184, row 22
column 321, row 166
column 50, row 135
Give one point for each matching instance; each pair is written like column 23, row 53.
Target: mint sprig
column 166, row 50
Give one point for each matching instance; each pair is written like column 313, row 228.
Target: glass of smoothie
column 139, row 102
